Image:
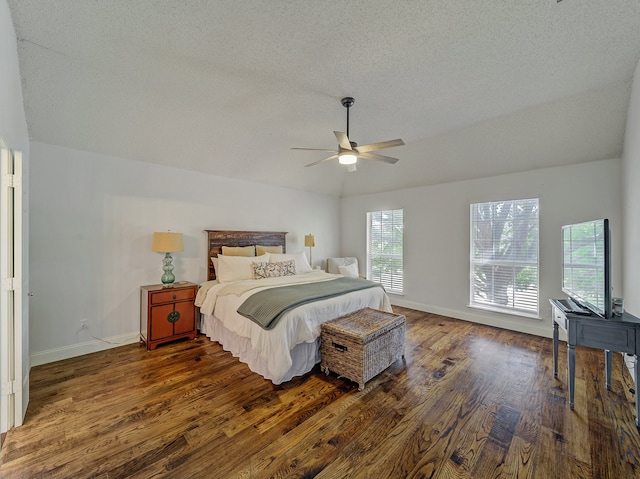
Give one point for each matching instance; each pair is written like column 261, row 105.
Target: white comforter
column 299, row 325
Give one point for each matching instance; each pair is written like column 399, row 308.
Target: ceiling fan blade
column 373, row 156
column 322, row 160
column 343, row 140
column 317, row 149
column 380, row 145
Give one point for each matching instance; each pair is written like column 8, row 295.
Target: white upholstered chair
column 346, row 266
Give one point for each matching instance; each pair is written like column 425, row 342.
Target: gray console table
column 621, row 334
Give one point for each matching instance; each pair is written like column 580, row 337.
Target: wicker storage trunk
column 361, row 345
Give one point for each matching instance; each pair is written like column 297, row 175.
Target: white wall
column 14, row 134
column 631, row 195
column 436, row 220
column 92, row 219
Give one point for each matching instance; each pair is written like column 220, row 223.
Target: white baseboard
column 87, row 347
column 538, row 327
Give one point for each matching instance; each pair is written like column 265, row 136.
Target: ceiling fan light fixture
column 347, row 158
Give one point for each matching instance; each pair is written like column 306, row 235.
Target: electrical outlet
column 83, row 324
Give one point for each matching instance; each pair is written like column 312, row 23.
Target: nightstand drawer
column 170, row 296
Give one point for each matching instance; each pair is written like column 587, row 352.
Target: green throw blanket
column 267, row 307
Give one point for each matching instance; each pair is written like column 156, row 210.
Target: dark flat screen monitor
column 586, row 265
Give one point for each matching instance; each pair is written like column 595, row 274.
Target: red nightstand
column 167, row 313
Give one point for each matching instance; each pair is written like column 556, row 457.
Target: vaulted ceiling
column 227, row 87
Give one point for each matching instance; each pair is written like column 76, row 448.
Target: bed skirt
column 304, row 355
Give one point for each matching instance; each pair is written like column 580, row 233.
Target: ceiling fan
column 349, row 152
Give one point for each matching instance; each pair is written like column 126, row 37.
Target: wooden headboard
column 219, row 238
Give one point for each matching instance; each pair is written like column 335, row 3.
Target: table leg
column 607, row 366
column 571, row 351
column 555, row 349
column 636, row 377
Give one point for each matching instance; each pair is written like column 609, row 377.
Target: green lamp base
column 167, row 266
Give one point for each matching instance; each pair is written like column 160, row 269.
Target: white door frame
column 11, row 330
column 19, row 369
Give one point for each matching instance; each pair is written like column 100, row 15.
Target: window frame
column 394, row 282
column 517, row 304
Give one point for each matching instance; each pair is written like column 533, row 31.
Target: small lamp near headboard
column 310, row 241
column 167, row 242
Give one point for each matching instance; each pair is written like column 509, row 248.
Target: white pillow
column 350, row 270
column 302, row 265
column 214, row 260
column 237, row 268
column 334, row 263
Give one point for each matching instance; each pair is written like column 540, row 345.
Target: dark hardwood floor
column 469, row 402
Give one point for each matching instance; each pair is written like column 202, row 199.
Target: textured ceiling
column 228, row 87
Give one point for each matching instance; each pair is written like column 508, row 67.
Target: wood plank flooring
column 470, row 401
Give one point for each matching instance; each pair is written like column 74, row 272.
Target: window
column 504, row 256
column 384, row 249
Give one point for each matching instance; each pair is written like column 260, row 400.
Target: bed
column 290, row 345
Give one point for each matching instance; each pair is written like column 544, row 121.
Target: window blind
column 384, row 249
column 504, row 255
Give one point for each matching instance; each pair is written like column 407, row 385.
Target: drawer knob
column 173, row 316
column 174, row 296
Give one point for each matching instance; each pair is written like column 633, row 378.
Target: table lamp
column 167, row 242
column 310, row 241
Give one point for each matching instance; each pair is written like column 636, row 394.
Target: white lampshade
column 167, row 242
